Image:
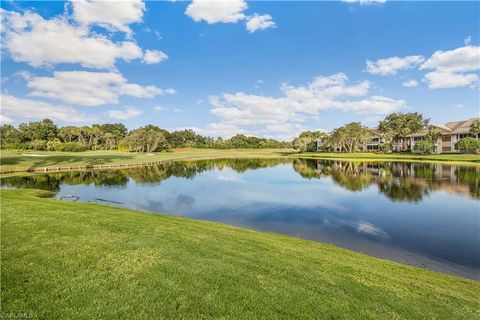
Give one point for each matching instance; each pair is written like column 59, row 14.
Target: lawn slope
column 77, row 260
column 18, row 161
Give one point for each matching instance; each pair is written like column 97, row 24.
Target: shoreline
column 135, row 160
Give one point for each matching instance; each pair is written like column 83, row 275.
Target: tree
column 112, row 134
column 38, row 130
column 424, row 146
column 9, row 136
column 468, row 144
column 400, row 125
column 475, row 128
column 306, row 141
column 96, row 135
column 351, row 136
column 146, row 139
column 433, row 134
column 67, row 133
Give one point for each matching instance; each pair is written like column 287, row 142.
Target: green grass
column 81, row 261
column 454, row 159
column 19, row 161
column 16, row 161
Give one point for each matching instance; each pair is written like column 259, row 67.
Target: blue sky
column 270, row 69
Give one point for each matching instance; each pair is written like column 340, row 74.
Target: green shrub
column 386, row 147
column 468, row 144
column 53, row 145
column 424, row 146
column 38, row 145
column 71, row 147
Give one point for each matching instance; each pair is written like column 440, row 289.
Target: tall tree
column 433, row 134
column 475, row 128
column 351, row 137
column 39, row 130
column 9, row 136
column 400, row 125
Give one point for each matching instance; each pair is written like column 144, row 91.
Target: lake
column 426, row 215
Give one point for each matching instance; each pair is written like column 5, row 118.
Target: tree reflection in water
column 399, row 181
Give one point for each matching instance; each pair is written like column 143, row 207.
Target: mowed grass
column 454, row 159
column 24, row 161
column 86, row 261
column 18, row 161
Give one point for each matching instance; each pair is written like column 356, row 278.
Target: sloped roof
column 440, row 127
column 459, row 127
column 452, row 127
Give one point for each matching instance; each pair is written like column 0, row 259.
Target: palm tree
column 475, row 128
column 433, row 134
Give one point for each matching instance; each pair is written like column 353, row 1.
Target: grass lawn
column 12, row 161
column 78, row 260
column 21, row 161
column 459, row 159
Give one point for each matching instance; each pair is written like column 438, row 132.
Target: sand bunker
column 33, row 155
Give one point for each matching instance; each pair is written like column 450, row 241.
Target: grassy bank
column 24, row 161
column 78, row 260
column 453, row 159
column 14, row 161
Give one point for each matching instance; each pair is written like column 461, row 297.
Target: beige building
column 451, row 132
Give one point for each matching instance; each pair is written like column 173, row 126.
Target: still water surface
column 426, row 215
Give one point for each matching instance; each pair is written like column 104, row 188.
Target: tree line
column 46, row 135
column 393, row 132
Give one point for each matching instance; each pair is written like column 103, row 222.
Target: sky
column 264, row 68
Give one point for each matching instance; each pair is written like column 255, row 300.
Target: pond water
column 426, row 215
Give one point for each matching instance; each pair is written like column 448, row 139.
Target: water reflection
column 398, row 181
column 416, row 213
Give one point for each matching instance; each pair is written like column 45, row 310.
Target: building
column 450, row 132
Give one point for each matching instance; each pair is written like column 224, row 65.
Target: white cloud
column 285, row 115
column 43, row 42
column 231, row 11
column 5, row 119
column 362, row 2
column 154, row 56
column 218, row 130
column 391, row 66
column 213, row 11
column 450, row 67
column 444, row 80
column 125, row 114
column 159, row 109
column 457, row 60
column 26, row 108
column 178, row 110
column 410, row 83
column 89, row 88
column 370, row 229
column 468, row 40
column 259, row 22
column 372, row 105
column 112, row 15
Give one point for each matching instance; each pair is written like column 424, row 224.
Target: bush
column 468, row 144
column 386, row 147
column 424, row 146
column 53, row 145
column 71, row 147
column 37, row 145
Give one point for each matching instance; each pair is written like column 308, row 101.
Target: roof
column 453, row 127
column 440, row 127
column 459, row 127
